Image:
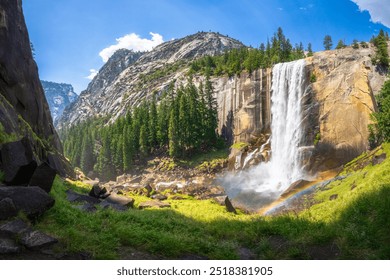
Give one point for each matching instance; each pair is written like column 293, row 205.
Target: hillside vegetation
column 356, row 225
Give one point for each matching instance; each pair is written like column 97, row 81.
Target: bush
column 380, row 129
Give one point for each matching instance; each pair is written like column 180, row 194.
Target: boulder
column 43, row 177
column 76, row 197
column 159, row 196
column 8, row 246
column 7, row 209
column 154, row 204
column 35, row 240
column 33, row 201
column 120, row 200
column 229, row 206
column 98, row 191
column 220, row 199
column 378, row 159
column 18, row 162
column 13, row 228
column 87, row 207
column 105, row 205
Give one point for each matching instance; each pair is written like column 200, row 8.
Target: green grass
column 357, row 224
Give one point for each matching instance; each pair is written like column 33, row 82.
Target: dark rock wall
column 23, row 108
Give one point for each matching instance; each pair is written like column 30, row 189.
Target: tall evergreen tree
column 328, row 42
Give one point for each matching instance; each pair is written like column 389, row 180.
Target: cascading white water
column 285, row 166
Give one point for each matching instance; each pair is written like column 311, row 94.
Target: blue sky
column 69, row 35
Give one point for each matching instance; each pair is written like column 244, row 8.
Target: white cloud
column 379, row 10
column 93, row 73
column 133, row 42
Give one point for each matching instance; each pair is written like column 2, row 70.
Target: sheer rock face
column 244, row 105
column 23, row 107
column 121, row 81
column 346, row 82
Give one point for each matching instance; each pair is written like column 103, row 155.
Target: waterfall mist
column 262, row 184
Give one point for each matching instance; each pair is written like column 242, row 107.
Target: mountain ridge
column 111, row 93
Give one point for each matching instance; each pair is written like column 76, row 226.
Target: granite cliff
column 24, row 111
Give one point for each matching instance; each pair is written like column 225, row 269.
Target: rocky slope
column 58, row 96
column 126, row 78
column 24, row 111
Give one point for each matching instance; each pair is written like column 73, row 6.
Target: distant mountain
column 128, row 77
column 58, row 96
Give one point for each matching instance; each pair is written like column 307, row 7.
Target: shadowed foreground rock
column 33, row 201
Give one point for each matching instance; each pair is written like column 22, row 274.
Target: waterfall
column 270, row 179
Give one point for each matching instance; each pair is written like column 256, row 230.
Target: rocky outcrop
column 58, row 95
column 346, row 82
column 244, row 105
column 24, row 111
column 125, row 80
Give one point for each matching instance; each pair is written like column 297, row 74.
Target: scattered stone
column 159, row 197
column 98, row 192
column 333, row 197
column 154, row 204
column 87, row 207
column 8, row 246
column 18, row 162
column 177, row 197
column 378, row 159
column 7, row 209
column 35, row 240
column 229, row 206
column 120, row 200
column 13, row 228
column 76, row 197
column 43, row 177
column 123, row 178
column 105, row 204
column 148, row 188
column 31, row 200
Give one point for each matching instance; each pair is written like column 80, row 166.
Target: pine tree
column 153, row 123
column 211, row 113
column 173, row 133
column 309, row 50
column 328, row 42
column 87, row 158
column 340, row 45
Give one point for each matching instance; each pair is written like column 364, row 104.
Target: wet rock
column 154, row 204
column 31, row 200
column 35, row 240
column 43, row 177
column 120, row 200
column 7, row 209
column 8, row 246
column 76, row 197
column 159, row 197
column 13, row 228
